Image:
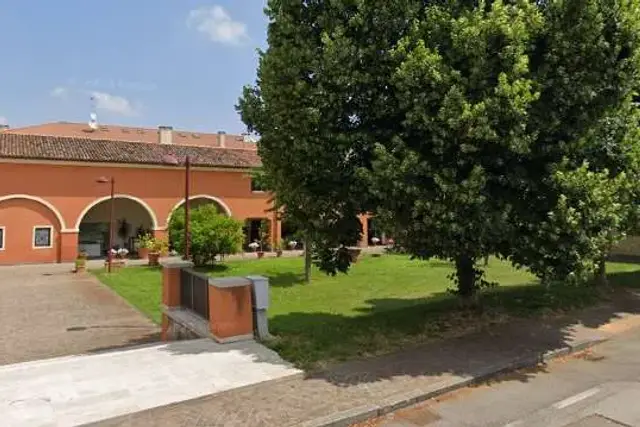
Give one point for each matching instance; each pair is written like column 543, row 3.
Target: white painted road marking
column 577, row 398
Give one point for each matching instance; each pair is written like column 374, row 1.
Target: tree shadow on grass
column 213, row 269
column 627, row 279
column 517, row 324
column 285, row 279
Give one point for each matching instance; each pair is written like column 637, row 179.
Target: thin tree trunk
column 466, row 276
column 307, row 261
column 601, row 275
column 486, row 260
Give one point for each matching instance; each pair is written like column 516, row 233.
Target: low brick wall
column 628, row 250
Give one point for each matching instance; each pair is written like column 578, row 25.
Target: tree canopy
column 467, row 128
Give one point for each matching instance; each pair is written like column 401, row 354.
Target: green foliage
column 467, row 128
column 212, row 234
column 578, row 232
column 264, row 233
column 159, row 246
column 145, row 241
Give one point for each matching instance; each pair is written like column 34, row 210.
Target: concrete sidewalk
column 75, row 390
column 359, row 390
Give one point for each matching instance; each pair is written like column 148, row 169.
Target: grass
column 383, row 303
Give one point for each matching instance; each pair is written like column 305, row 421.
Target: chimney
column 165, row 134
column 222, row 135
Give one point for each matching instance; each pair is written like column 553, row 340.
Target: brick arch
column 19, row 216
column 61, row 222
column 213, row 199
column 145, row 205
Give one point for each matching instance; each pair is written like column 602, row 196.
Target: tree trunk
column 486, row 260
column 601, row 274
column 307, row 261
column 466, row 276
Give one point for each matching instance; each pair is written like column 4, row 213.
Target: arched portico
column 198, row 200
column 132, row 217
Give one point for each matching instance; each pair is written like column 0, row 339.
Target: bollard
column 260, row 295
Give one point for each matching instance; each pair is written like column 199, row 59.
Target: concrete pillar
column 68, row 246
column 260, row 296
column 230, row 309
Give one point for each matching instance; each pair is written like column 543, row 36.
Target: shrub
column 159, row 246
column 145, row 241
column 212, row 234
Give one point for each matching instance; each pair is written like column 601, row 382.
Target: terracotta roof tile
column 42, row 147
column 136, row 134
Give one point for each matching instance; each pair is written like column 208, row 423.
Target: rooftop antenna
column 93, row 117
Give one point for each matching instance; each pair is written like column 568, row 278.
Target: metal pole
column 111, row 226
column 187, row 208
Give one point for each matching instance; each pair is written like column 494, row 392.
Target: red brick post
column 230, row 309
column 171, row 289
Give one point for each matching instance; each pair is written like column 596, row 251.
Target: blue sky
column 144, row 62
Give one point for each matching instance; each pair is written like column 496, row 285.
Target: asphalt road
column 600, row 388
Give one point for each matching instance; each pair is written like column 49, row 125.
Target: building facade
column 52, row 203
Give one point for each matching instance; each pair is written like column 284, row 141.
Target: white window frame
column 3, row 239
column 33, row 237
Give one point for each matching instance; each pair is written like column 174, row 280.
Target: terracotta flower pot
column 143, row 253
column 260, row 255
column 154, row 259
column 81, row 268
column 279, row 253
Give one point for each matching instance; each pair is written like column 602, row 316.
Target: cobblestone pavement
column 359, row 385
column 46, row 311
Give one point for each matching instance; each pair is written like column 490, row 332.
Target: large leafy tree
column 459, row 124
column 321, row 98
column 587, row 66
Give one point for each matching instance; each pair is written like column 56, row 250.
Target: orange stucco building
column 52, row 205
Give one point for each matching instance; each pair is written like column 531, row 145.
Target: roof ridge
column 107, row 140
column 64, row 122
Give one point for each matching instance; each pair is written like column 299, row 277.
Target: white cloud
column 113, row 104
column 216, row 23
column 59, row 92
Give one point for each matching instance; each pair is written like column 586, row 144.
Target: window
column 42, row 237
column 257, row 186
column 1, row 238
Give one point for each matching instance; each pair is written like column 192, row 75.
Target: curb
column 400, row 401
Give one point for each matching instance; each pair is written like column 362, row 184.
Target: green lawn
column 383, row 303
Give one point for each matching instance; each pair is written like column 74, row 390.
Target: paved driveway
column 45, row 311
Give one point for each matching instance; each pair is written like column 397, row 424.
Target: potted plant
column 254, row 247
column 278, row 248
column 292, row 245
column 145, row 242
column 158, row 248
column 81, row 262
column 375, row 241
column 118, row 258
column 122, row 253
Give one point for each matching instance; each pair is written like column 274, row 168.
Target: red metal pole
column 187, row 208
column 111, row 226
